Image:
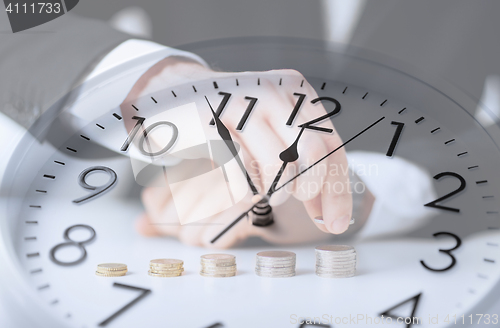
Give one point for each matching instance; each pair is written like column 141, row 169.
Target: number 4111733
column 473, row 319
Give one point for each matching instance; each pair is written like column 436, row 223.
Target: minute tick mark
column 323, row 86
column 60, row 163
column 137, row 109
column 84, row 137
column 216, row 86
column 435, row 130
column 401, row 111
column 462, row 154
column 383, row 102
column 481, row 182
column 48, row 176
column 175, row 94
column 449, row 141
column 32, row 255
column 154, row 100
column 71, row 149
column 366, row 94
column 344, row 90
column 102, row 127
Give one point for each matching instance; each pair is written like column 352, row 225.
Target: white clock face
column 428, row 150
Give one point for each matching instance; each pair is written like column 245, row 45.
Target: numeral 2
column 459, row 189
column 309, row 125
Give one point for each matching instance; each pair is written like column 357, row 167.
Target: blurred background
column 454, row 39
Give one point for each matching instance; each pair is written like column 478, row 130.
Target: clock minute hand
column 295, row 177
column 226, row 136
column 330, row 153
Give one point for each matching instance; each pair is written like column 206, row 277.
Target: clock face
column 74, row 194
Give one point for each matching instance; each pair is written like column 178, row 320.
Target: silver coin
column 275, row 276
column 329, row 263
column 340, row 249
column 218, row 258
column 351, row 266
column 336, row 258
column 275, row 270
column 280, row 263
column 223, row 269
column 276, row 266
column 323, row 275
column 276, row 255
column 341, row 273
column 217, row 275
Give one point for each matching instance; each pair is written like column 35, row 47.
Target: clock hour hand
column 295, row 177
column 226, row 136
column 287, row 156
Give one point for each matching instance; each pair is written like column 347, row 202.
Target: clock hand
column 295, row 177
column 287, row 156
column 226, row 136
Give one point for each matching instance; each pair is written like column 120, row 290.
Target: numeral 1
column 295, row 110
column 222, row 105
column 131, row 136
column 249, row 109
column 396, row 137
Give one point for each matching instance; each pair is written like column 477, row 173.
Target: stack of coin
column 165, row 268
column 335, row 261
column 275, row 264
column 218, row 265
column 111, row 270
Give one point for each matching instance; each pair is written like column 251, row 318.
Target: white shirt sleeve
column 398, row 206
column 134, row 48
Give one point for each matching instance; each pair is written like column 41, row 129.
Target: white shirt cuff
column 134, row 48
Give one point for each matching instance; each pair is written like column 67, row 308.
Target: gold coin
column 166, row 263
column 111, row 267
column 219, row 269
column 218, row 258
column 111, row 274
column 163, row 275
column 165, row 271
column 217, row 275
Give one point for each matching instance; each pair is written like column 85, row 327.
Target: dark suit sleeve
column 40, row 65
